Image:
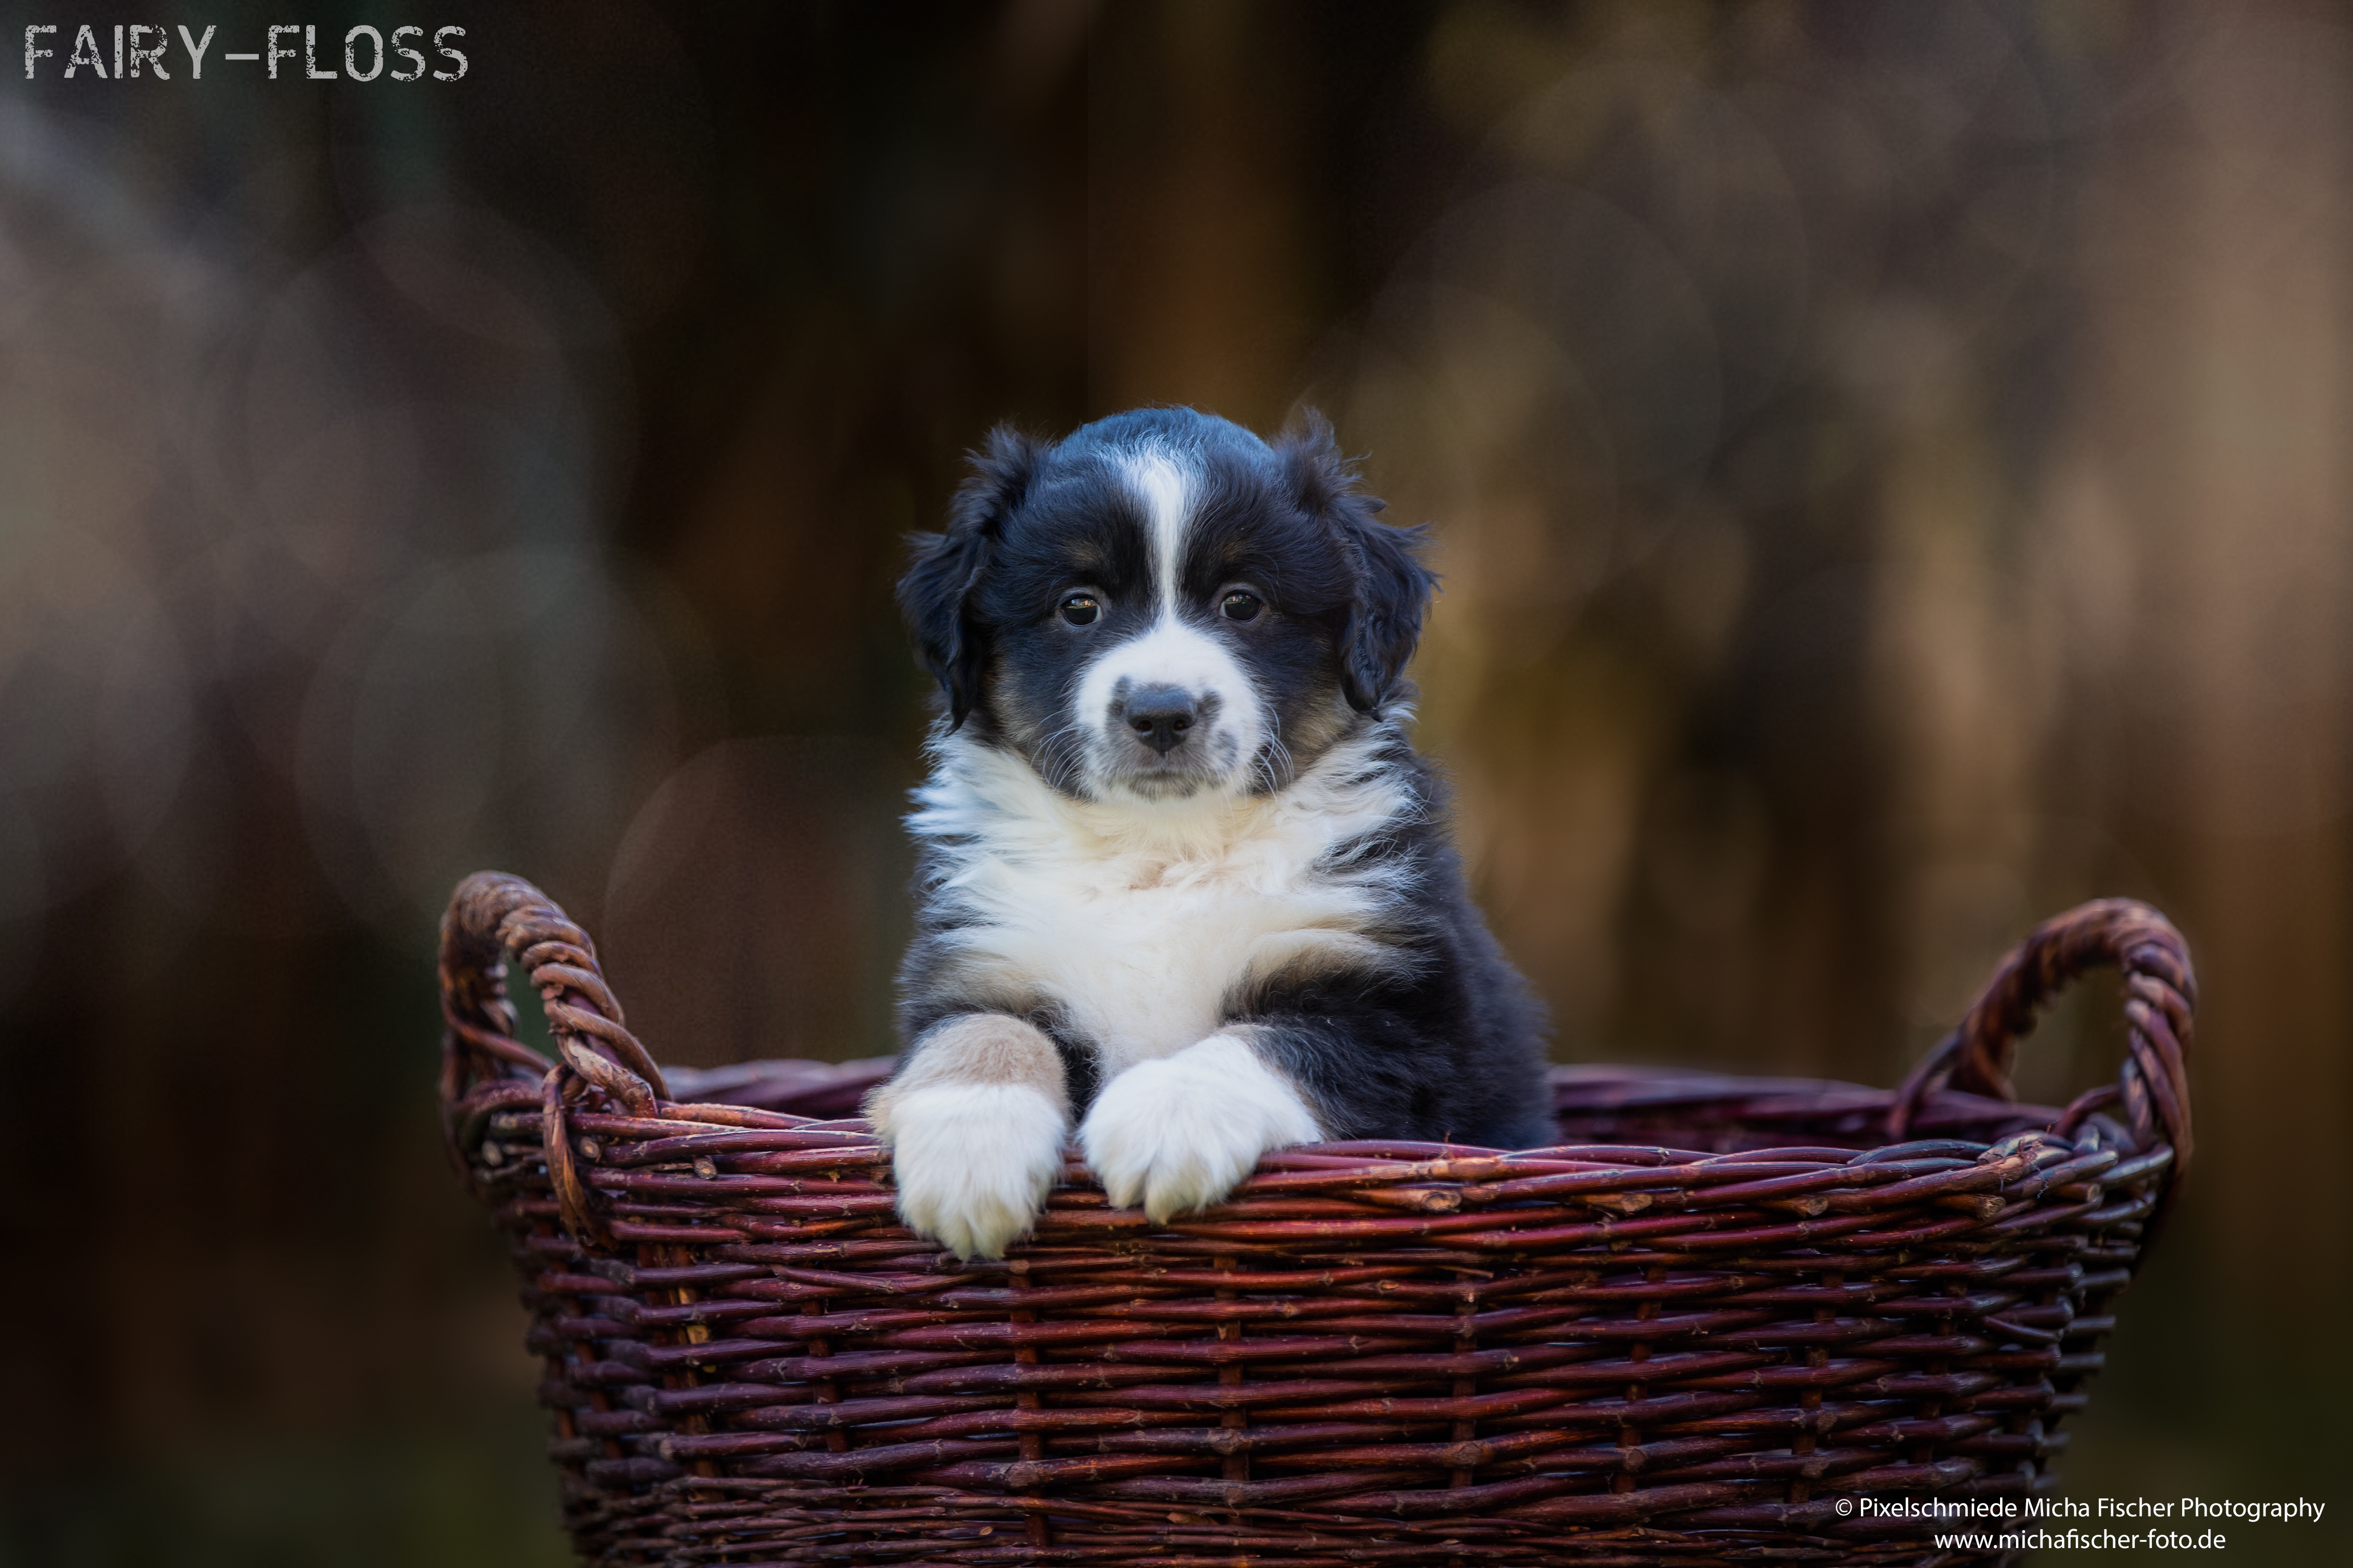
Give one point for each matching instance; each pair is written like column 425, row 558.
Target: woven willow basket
column 1717, row 1315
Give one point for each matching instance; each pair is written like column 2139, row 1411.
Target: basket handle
column 492, row 918
column 2159, row 994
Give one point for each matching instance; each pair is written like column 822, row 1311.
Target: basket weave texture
column 1703, row 1328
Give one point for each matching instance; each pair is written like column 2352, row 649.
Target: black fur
column 1450, row 1048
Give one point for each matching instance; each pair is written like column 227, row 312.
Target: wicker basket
column 1700, row 1331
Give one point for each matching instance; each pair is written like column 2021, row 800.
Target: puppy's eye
column 1079, row 609
column 1240, row 606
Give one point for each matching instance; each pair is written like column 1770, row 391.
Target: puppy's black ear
column 1392, row 587
column 936, row 593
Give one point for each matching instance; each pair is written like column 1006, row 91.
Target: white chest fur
column 1139, row 921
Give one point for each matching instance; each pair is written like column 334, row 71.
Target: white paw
column 973, row 1163
column 1178, row 1133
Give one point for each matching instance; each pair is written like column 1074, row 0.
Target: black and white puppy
column 1181, row 879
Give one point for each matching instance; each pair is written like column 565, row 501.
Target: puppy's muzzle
column 1161, row 716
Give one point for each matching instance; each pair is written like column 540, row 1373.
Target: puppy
column 1182, row 879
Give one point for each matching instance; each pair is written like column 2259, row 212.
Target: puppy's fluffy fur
column 1182, row 877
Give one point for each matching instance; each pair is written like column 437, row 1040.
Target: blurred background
column 1892, row 480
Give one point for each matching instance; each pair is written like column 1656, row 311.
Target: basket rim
column 603, row 1070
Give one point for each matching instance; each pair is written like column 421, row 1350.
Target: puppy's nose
column 1161, row 716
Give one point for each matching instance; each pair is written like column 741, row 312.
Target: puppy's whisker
column 1063, row 754
column 1276, row 779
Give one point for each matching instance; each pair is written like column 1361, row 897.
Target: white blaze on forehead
column 1169, row 649
column 1167, row 497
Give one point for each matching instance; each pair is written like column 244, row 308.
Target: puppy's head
column 1163, row 607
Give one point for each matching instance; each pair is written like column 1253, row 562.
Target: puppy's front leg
column 1179, row 1132
column 976, row 1118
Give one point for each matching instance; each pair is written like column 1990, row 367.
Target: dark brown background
column 1890, row 470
